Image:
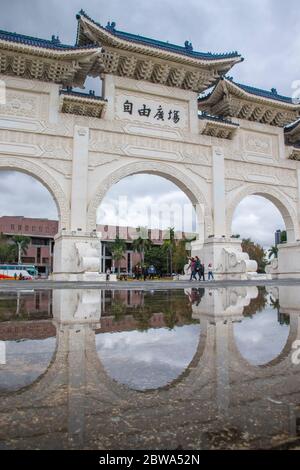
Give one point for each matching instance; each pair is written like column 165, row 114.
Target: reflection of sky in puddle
column 148, row 360
column 25, row 362
column 261, row 339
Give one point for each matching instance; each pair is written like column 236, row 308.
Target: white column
column 108, row 91
column 222, row 366
column 79, row 178
column 219, row 213
column 298, row 212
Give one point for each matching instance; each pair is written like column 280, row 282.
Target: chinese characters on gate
column 158, row 113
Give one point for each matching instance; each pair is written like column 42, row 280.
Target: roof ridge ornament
column 188, row 45
column 111, row 26
column 55, row 39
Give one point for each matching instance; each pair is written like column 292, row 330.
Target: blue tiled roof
column 183, row 50
column 53, row 43
column 69, row 92
column 269, row 94
column 292, row 126
column 210, row 117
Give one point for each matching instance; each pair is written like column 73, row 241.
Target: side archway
column 277, row 197
column 37, row 172
column 186, row 184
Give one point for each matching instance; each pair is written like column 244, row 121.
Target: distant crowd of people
column 198, row 269
column 195, row 266
column 144, row 272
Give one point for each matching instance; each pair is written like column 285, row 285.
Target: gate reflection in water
column 200, row 368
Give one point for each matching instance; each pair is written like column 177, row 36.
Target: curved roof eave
column 139, row 43
column 249, row 92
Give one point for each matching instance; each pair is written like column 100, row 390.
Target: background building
column 40, row 231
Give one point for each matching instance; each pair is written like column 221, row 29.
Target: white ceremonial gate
column 234, row 142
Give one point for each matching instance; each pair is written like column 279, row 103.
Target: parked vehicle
column 19, row 271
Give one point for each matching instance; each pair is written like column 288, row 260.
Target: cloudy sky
column 261, row 338
column 265, row 32
column 145, row 360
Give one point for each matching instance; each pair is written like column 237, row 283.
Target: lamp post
column 99, row 237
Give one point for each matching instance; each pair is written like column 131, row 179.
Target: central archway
column 178, row 177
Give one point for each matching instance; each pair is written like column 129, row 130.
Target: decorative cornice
column 240, row 101
column 81, row 104
column 215, row 126
column 292, row 133
column 293, row 153
column 138, row 57
column 50, row 61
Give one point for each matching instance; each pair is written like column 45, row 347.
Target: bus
column 13, row 271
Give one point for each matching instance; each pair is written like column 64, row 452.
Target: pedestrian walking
column 210, row 272
column 202, row 272
column 198, row 267
column 192, row 267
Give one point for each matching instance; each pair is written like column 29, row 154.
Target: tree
column 142, row 243
column 283, row 236
column 257, row 304
column 180, row 256
column 7, row 250
column 155, row 255
column 255, row 252
column 22, row 244
column 118, row 248
column 273, row 252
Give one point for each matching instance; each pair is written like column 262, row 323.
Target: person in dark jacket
column 202, row 272
column 198, row 266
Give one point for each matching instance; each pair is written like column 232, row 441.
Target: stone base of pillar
column 77, row 257
column 287, row 266
column 82, row 277
column 228, row 260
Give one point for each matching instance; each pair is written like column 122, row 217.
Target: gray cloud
column 258, row 219
column 148, row 360
column 262, row 338
column 21, row 194
column 265, row 32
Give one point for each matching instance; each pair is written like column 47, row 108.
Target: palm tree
column 142, row 243
column 22, row 244
column 273, row 251
column 117, row 251
column 169, row 245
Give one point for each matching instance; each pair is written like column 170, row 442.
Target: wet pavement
column 141, row 285
column 194, row 368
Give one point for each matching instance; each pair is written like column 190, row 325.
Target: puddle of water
column 208, row 368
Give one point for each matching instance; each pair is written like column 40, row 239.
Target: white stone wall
column 80, row 158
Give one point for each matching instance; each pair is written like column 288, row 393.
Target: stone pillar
column 109, row 94
column 218, row 196
column 298, row 212
column 77, row 253
column 79, row 178
column 222, row 366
